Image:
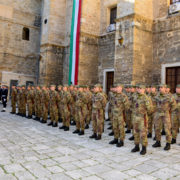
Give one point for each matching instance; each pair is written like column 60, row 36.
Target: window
column 25, row 34
column 174, row 1
column 113, row 14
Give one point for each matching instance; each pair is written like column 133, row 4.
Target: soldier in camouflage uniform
column 140, row 123
column 60, row 105
column 45, row 98
column 66, row 101
column 72, row 105
column 19, row 90
column 175, row 116
column 88, row 95
column 121, row 104
column 13, row 99
column 54, row 98
column 33, row 100
column 23, row 101
column 38, row 106
column 98, row 108
column 165, row 104
column 29, row 102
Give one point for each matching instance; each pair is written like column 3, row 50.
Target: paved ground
column 30, row 150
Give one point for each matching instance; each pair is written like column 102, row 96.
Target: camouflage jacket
column 45, row 97
column 165, row 103
column 54, row 99
column 98, row 101
column 30, row 96
column 14, row 95
column 67, row 98
column 81, row 99
column 177, row 99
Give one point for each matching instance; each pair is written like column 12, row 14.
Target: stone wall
column 106, row 54
column 18, row 55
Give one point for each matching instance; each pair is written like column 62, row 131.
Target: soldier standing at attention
column 164, row 105
column 38, row 103
column 175, row 116
column 23, row 101
column 66, row 100
column 45, row 103
column 53, row 106
column 98, row 108
column 140, row 123
column 19, row 91
column 33, row 100
column 120, row 106
column 72, row 105
column 29, row 101
column 13, row 99
column 60, row 107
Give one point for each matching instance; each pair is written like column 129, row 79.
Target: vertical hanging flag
column 74, row 42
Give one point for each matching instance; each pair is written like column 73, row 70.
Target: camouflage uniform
column 45, row 98
column 38, row 106
column 128, row 113
column 60, row 105
column 140, row 123
column 30, row 102
column 98, row 107
column 23, row 102
column 175, row 117
column 164, row 104
column 121, row 104
column 19, row 101
column 33, row 100
column 14, row 100
column 88, row 95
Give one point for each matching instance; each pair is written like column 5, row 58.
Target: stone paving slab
column 31, row 150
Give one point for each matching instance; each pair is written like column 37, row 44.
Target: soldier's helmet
column 60, row 86
column 162, row 86
column 142, row 87
column 98, row 86
column 120, row 85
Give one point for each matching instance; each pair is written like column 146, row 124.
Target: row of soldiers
column 143, row 109
column 137, row 107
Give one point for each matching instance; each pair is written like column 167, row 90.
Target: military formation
column 137, row 109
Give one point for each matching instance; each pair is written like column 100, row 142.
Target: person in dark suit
column 4, row 94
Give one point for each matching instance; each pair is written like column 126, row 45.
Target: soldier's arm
column 173, row 103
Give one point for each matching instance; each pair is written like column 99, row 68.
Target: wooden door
column 109, row 81
column 173, row 77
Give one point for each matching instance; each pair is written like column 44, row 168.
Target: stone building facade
column 142, row 45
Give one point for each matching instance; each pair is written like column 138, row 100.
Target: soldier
column 45, row 98
column 38, row 108
column 29, row 101
column 175, row 116
column 140, row 123
column 23, row 101
column 66, row 100
column 72, row 106
column 88, row 95
column 164, row 105
column 121, row 104
column 98, row 108
column 19, row 90
column 13, row 99
column 54, row 98
column 60, row 105
column 33, row 100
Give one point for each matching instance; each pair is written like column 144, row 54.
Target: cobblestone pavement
column 31, row 150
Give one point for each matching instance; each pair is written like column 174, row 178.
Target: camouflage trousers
column 13, row 104
column 140, row 129
column 159, row 121
column 72, row 110
column 175, row 118
column 76, row 118
column 33, row 109
column 81, row 115
column 110, row 113
column 38, row 110
column 19, row 108
column 150, row 123
column 66, row 116
column 118, row 125
column 54, row 113
column 98, row 120
column 89, row 113
column 128, row 119
column 29, row 105
column 23, row 106
column 45, row 111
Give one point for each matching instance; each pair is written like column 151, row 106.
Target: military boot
column 55, row 124
column 120, row 144
column 81, row 133
column 94, row 136
column 131, row 138
column 114, row 141
column 60, row 119
column 87, row 126
column 149, row 135
column 98, row 137
column 62, row 127
column 143, row 151
column 154, row 139
column 173, row 141
column 111, row 133
column 50, row 124
column 136, row 148
column 108, row 119
column 73, row 123
column 167, row 147
column 76, row 131
column 43, row 121
column 29, row 117
column 128, row 131
column 163, row 132
column 109, row 128
column 66, row 129
column 157, row 144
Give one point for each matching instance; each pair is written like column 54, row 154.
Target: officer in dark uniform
column 4, row 97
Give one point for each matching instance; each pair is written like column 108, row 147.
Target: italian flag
column 74, row 42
